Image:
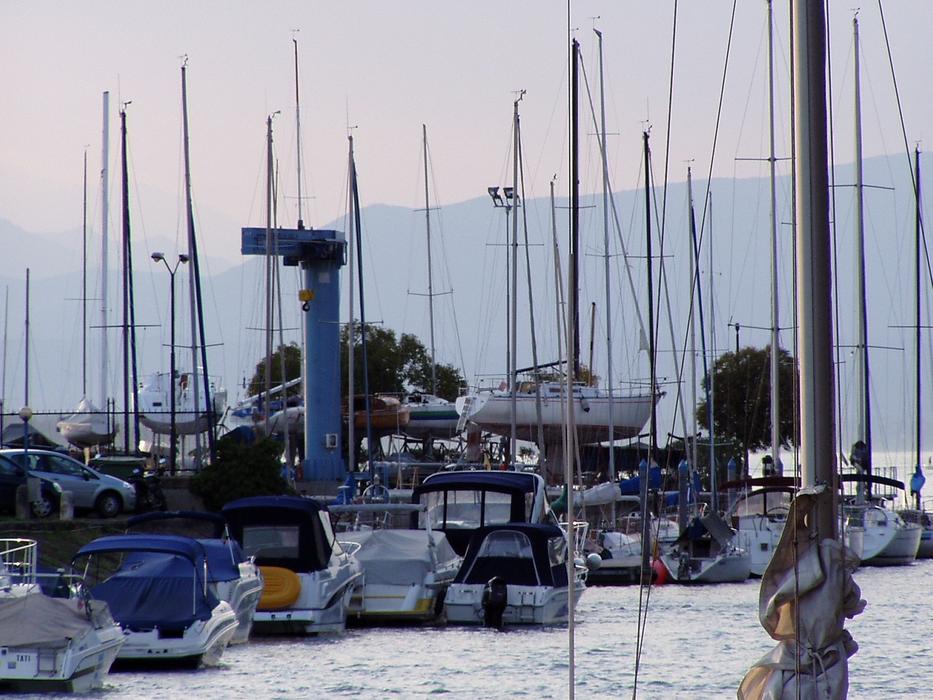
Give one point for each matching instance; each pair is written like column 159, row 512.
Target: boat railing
column 17, row 561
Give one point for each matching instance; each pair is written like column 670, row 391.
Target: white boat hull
column 321, row 607
column 527, row 605
column 155, row 404
column 759, row 536
column 733, row 566
column 202, row 643
column 492, row 411
column 243, row 596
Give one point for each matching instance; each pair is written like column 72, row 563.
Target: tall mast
column 711, row 374
column 427, row 226
column 574, row 210
column 269, row 301
column 513, row 335
column 814, row 281
column 653, row 439
column 694, row 287
column 301, row 223
column 918, row 239
column 606, row 266
column 197, row 310
column 351, row 354
column 863, row 431
column 104, row 243
column 125, row 202
column 775, row 308
column 355, row 194
column 83, row 286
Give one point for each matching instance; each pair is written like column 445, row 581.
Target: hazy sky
column 386, row 68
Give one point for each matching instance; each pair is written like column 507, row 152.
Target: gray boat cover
column 399, row 557
column 36, row 620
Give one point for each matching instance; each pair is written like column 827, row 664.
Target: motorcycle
column 149, row 496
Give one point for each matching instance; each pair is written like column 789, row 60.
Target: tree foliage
column 241, row 470
column 742, row 401
column 397, row 365
column 292, row 355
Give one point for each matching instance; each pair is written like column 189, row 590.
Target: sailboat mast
column 513, row 331
column 574, row 210
column 606, row 266
column 83, row 285
column 775, row 307
column 427, row 227
column 694, row 287
column 351, row 353
column 104, row 244
column 918, row 239
column 198, row 338
column 814, row 262
column 653, row 430
column 269, row 302
column 711, row 374
column 863, row 431
column 125, row 202
column 301, row 223
column 355, row 193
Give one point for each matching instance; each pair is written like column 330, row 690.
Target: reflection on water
column 699, row 643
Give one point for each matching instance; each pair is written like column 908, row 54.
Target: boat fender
column 660, row 572
column 495, row 598
column 594, row 560
column 280, row 589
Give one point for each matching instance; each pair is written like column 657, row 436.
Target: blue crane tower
column 320, row 253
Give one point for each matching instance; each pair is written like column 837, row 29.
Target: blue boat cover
column 632, row 487
column 315, row 543
column 156, row 590
column 520, row 553
column 223, row 559
column 520, row 482
column 165, row 544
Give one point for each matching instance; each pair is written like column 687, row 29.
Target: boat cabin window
column 469, row 509
column 557, row 550
column 271, row 542
column 766, row 503
column 505, row 553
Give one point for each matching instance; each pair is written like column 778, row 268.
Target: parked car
column 12, row 476
column 90, row 489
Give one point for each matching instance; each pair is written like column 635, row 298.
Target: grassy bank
column 60, row 539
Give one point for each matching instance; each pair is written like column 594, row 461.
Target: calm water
column 699, row 643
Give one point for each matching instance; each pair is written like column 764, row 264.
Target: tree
column 241, row 470
column 397, row 365
column 742, row 402
column 292, row 354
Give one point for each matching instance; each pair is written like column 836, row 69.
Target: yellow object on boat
column 281, row 588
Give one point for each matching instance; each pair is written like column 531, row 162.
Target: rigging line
column 667, row 136
column 615, row 212
column 900, row 112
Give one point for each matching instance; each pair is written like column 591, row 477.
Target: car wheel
column 42, row 507
column 108, row 504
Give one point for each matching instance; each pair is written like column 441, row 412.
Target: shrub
column 241, row 470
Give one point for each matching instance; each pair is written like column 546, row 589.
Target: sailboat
column 88, row 425
column 886, row 538
column 535, row 410
column 198, row 398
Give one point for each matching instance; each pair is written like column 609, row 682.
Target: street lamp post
column 173, row 430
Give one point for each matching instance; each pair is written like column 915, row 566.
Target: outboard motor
column 495, row 598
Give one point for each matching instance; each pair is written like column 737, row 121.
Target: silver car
column 90, row 489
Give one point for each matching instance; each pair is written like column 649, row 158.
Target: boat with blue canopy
column 158, row 591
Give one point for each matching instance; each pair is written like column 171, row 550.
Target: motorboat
column 50, row 644
column 514, row 574
column 308, row 577
column 155, row 403
column 458, row 503
column 758, row 516
column 87, row 426
column 159, row 594
column 406, row 571
column 231, row 576
column 492, row 411
column 707, row 551
column 887, row 539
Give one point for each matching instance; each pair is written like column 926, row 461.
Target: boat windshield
column 271, row 542
column 505, row 553
column 469, row 509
